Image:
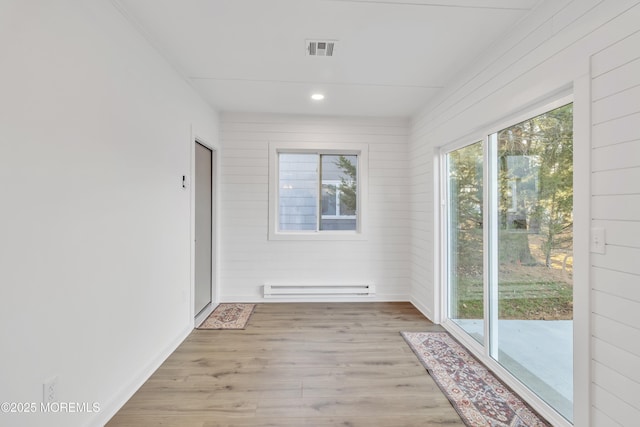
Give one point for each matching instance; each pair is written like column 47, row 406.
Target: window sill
column 317, row 235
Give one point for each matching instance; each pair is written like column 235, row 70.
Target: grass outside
column 520, row 300
column 528, row 291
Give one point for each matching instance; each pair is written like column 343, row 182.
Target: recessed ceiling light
column 317, row 97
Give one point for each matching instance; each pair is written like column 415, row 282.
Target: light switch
column 598, row 241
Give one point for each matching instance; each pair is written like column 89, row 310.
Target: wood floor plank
column 297, row 364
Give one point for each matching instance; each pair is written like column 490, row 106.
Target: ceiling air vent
column 320, row 47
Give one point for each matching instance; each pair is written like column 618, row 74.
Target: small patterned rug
column 228, row 316
column 478, row 396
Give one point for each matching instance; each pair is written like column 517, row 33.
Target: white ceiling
column 391, row 56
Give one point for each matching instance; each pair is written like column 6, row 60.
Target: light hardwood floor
column 311, row 364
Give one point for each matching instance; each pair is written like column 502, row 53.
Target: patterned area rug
column 478, row 396
column 228, row 316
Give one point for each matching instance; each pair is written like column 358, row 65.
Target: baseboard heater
column 300, row 291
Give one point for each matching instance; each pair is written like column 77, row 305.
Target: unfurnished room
column 319, row 213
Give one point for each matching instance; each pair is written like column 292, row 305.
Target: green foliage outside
column 535, row 202
column 545, row 188
column 348, row 187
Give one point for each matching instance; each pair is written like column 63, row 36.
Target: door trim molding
column 194, row 138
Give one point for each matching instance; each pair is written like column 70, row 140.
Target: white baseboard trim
column 422, row 309
column 116, row 402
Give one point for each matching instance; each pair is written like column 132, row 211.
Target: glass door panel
column 534, row 234
column 465, row 239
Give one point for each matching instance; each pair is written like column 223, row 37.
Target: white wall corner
column 113, row 405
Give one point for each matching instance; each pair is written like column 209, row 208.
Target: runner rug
column 228, row 316
column 476, row 394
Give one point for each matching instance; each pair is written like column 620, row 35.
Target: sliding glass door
column 465, row 238
column 508, row 246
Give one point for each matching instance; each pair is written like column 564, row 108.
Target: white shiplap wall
column 561, row 45
column 615, row 279
column 249, row 260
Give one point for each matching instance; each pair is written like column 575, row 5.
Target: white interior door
column 204, row 230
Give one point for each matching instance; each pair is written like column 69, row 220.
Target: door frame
column 581, row 204
column 215, row 226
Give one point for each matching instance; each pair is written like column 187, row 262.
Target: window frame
column 359, row 150
column 483, row 351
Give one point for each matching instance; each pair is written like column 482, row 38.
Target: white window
column 317, row 193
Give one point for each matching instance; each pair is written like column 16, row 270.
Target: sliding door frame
column 487, row 352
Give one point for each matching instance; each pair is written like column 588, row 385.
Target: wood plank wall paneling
column 249, row 259
column 548, row 51
column 615, row 193
column 422, row 226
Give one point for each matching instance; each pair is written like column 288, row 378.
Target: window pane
column 329, row 199
column 535, row 257
column 339, row 192
column 347, row 202
column 465, row 239
column 298, row 192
